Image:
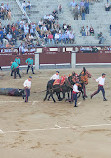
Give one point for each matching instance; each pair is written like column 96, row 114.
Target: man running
column 101, row 81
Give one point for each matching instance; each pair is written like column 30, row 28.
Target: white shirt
column 101, row 81
column 56, row 36
column 75, row 88
column 27, row 83
column 54, row 77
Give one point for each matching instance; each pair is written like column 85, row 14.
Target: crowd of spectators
column 80, row 9
column 48, row 28
column 5, row 12
column 51, row 32
column 21, row 30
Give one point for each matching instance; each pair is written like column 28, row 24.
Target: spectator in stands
column 32, row 49
column 91, row 31
column 110, row 30
column 37, row 44
column 24, row 5
column 50, row 38
column 56, row 38
column 83, row 13
column 28, row 5
column 101, row 38
column 7, row 7
column 1, row 35
column 26, row 29
column 76, row 12
column 107, row 7
column 14, row 38
column 66, row 38
column 87, row 6
column 64, row 27
column 9, row 16
column 21, row 49
column 1, row 45
column 40, row 23
column 31, row 38
column 46, row 37
column 60, row 8
column 87, row 31
column 2, row 11
column 71, row 37
column 25, row 50
column 9, row 37
column 73, row 5
column 83, row 31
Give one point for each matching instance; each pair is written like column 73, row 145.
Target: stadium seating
column 97, row 17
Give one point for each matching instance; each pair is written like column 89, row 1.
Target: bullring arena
column 64, row 36
column 50, row 130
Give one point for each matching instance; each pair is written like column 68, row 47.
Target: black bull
column 11, row 91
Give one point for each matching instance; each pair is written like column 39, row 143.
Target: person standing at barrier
column 101, row 81
column 27, row 87
column 74, row 93
column 15, row 69
column 29, row 62
column 17, row 60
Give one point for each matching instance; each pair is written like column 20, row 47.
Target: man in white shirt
column 101, row 81
column 27, row 87
column 74, row 93
column 55, row 76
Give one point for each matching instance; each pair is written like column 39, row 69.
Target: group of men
column 16, row 63
column 100, row 80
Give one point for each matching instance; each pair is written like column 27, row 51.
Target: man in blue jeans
column 101, row 81
column 74, row 93
column 27, row 87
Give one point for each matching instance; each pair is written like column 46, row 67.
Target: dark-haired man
column 101, row 81
column 74, row 93
column 29, row 62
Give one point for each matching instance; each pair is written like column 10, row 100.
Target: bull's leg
column 52, row 97
column 46, row 95
column 49, row 97
column 83, row 94
column 68, row 95
column 58, row 96
column 63, row 95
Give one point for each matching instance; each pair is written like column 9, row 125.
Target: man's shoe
column 104, row 99
column 33, row 73
column 91, row 97
column 76, row 106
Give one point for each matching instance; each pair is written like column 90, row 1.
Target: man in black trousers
column 101, row 81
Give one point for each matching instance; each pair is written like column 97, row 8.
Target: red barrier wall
column 55, row 58
column 93, row 58
column 6, row 59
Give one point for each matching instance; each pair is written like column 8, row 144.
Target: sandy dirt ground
column 61, row 131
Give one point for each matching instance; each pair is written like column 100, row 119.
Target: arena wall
column 60, row 55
